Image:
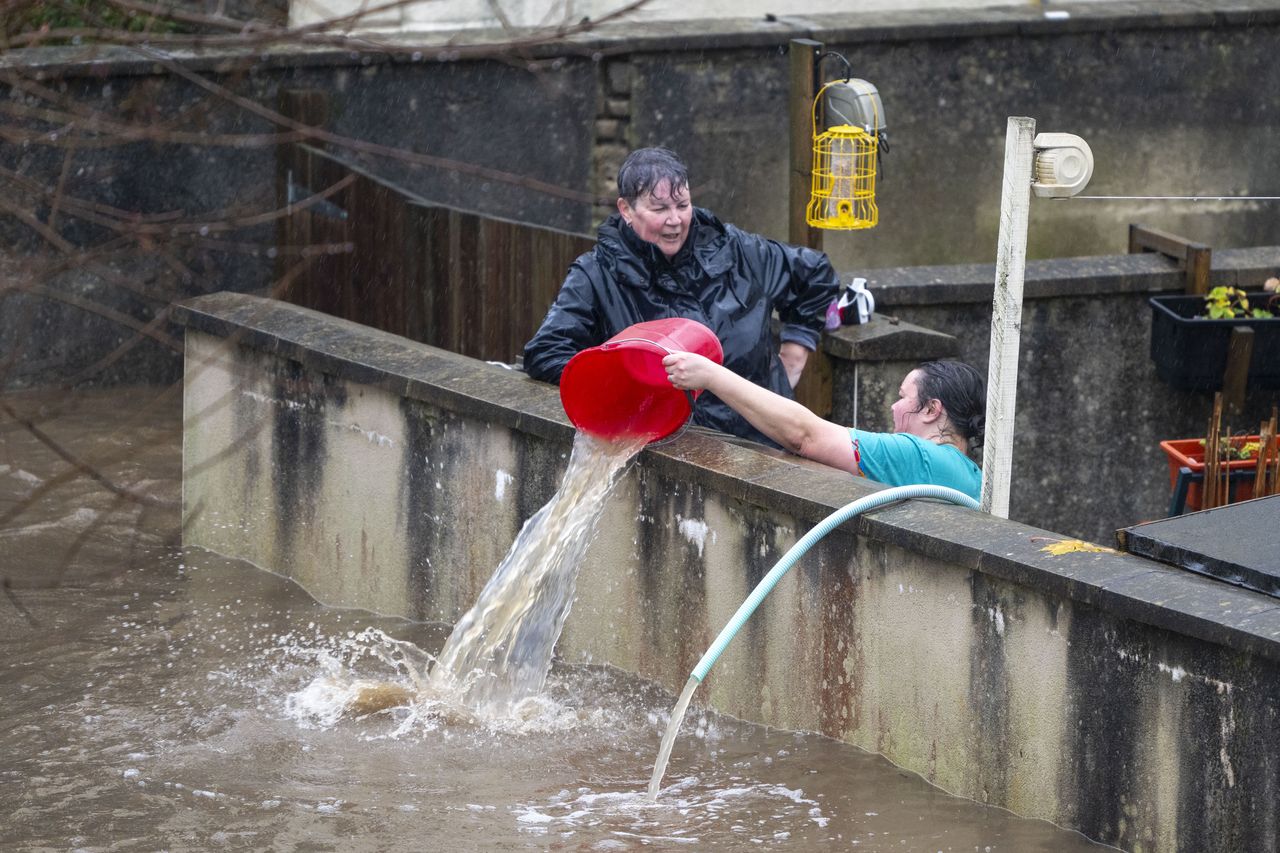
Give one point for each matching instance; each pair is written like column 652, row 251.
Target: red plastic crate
column 1189, row 453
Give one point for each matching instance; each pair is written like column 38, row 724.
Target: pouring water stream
column 500, row 650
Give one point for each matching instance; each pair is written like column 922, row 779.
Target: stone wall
column 1105, row 692
column 1164, row 100
column 1174, row 99
column 1090, row 412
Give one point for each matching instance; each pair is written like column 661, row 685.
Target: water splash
column 685, row 819
column 360, row 673
column 495, row 663
column 500, row 651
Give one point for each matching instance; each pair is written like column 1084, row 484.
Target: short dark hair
column 645, row 168
column 962, row 390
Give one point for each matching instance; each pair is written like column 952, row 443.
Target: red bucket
column 620, row 389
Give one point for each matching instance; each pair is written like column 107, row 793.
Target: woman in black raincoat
column 661, row 257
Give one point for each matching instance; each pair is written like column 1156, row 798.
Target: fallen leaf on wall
column 1058, row 547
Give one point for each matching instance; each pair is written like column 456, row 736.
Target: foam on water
column 681, row 817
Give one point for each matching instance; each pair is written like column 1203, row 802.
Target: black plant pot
column 1191, row 352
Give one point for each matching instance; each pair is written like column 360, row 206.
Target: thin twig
column 18, row 605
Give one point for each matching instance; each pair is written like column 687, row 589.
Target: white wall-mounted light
column 1063, row 165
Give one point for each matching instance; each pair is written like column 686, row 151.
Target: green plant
column 1228, row 303
column 1236, row 448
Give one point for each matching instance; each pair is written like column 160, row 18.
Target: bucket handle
column 610, row 344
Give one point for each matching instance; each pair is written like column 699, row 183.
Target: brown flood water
column 153, row 698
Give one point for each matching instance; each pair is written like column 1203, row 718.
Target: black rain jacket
column 726, row 278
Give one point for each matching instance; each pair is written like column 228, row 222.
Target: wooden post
column 1006, row 315
column 1198, row 260
column 311, row 107
column 804, row 59
column 1239, row 355
column 814, row 389
column 1194, row 258
column 308, row 106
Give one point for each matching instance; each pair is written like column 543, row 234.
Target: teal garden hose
column 766, row 586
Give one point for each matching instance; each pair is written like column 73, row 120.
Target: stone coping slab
column 1248, row 556
column 886, row 338
column 605, row 39
column 1086, row 276
column 1125, row 585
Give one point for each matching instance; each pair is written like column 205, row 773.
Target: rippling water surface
column 159, row 699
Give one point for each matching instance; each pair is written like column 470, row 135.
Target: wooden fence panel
column 465, row 285
column 377, row 286
column 348, row 289
column 522, row 306
column 322, row 223
column 491, row 239
column 470, row 283
column 436, row 251
column 417, row 272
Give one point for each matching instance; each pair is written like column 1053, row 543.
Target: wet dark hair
column 962, row 390
column 645, row 168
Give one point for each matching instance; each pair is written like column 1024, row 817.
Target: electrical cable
column 1178, row 197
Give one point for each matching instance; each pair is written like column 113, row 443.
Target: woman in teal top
column 937, row 420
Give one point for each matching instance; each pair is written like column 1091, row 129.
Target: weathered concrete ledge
column 1106, row 275
column 1102, row 691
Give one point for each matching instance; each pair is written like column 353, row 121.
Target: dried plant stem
column 1271, row 468
column 1209, row 499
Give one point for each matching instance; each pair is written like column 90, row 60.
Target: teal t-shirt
column 898, row 459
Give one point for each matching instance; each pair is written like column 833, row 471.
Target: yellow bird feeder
column 845, row 158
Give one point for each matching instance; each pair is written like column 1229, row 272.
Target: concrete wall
column 1104, row 692
column 68, row 307
column 1174, row 97
column 1091, row 412
column 1153, row 94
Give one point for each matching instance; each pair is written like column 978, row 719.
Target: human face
column 660, row 217
column 908, row 415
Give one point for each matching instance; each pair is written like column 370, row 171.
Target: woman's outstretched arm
column 785, row 421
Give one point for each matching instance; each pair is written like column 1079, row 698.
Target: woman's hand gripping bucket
column 620, row 389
